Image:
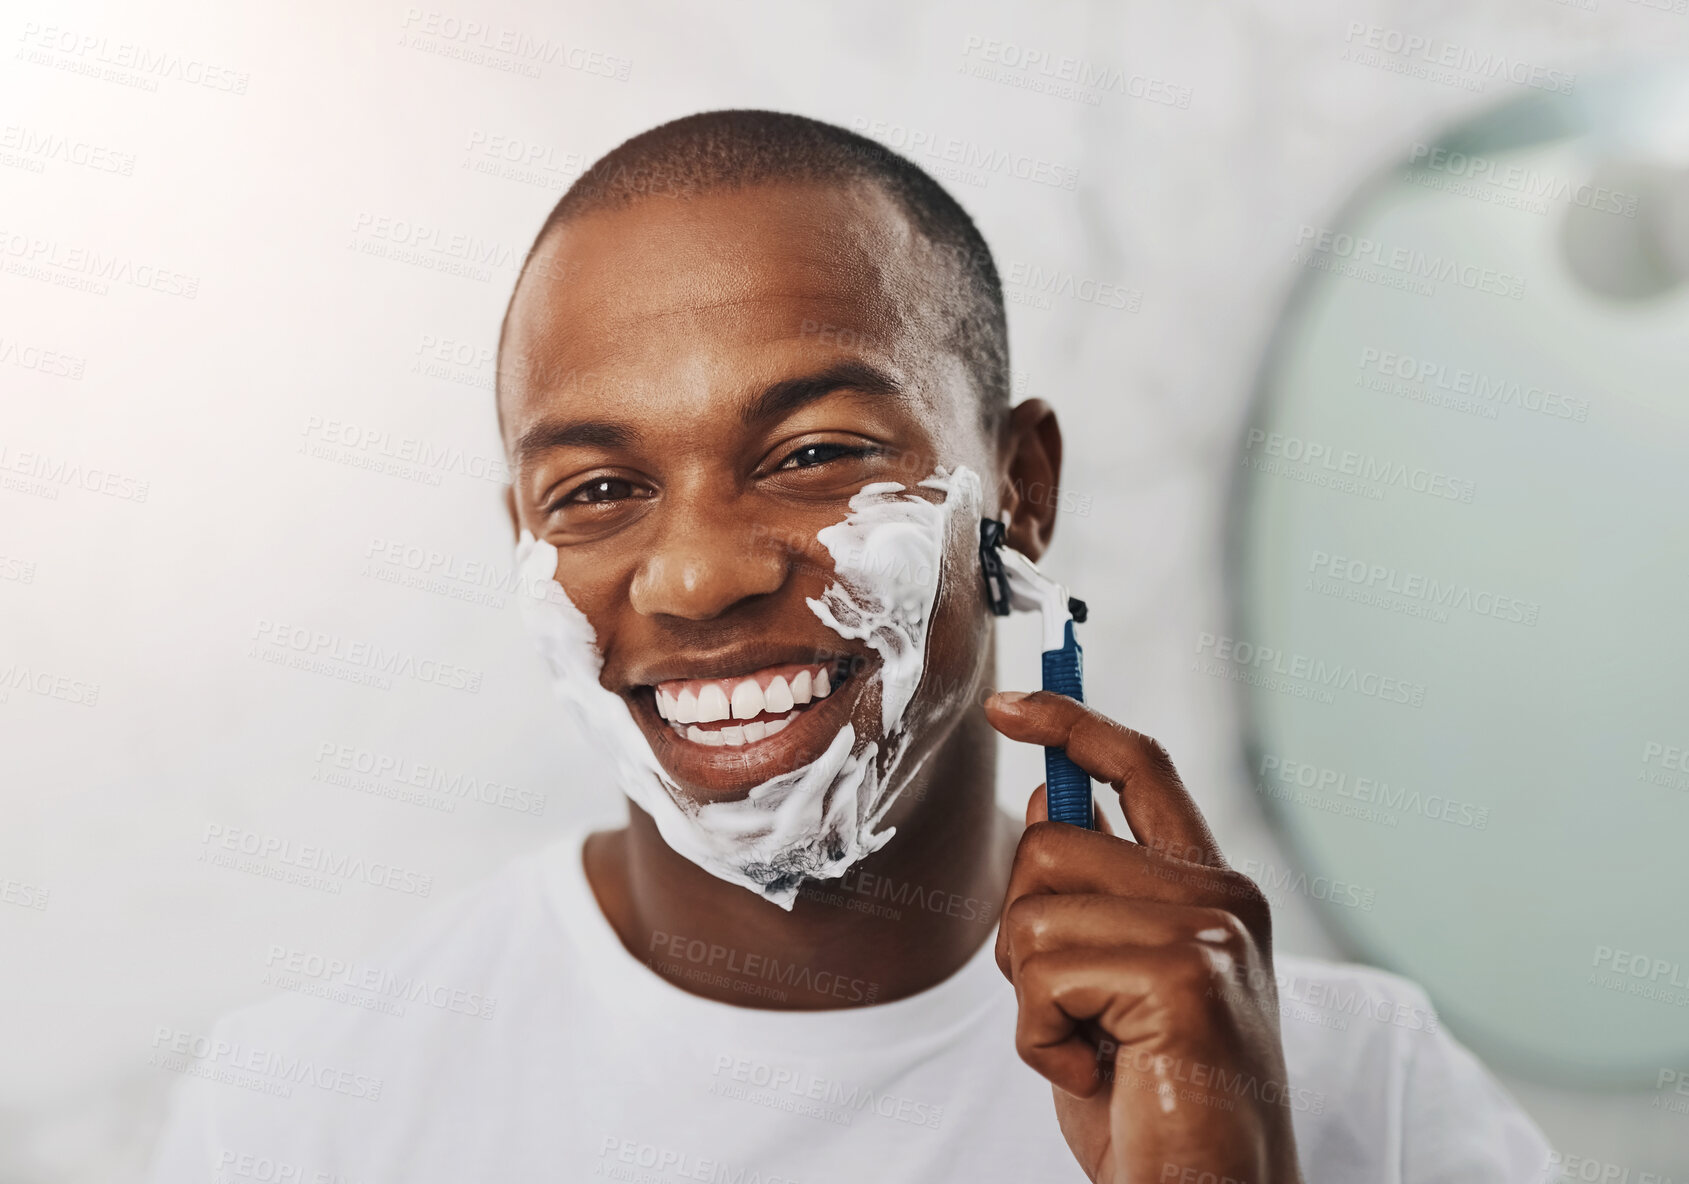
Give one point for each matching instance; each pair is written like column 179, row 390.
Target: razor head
column 991, row 533
column 998, row 592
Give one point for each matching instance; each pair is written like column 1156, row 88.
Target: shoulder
column 1342, row 1017
column 302, row 1075
column 474, row 958
column 1381, row 1090
column 483, row 938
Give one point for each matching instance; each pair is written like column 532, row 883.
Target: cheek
column 595, row 583
column 593, row 594
column 959, row 645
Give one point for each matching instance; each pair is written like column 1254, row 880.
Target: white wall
column 354, row 114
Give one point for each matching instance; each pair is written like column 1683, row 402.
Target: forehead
column 676, row 286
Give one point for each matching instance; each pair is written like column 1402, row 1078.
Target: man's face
column 693, row 389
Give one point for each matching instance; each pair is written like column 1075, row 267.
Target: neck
column 901, row 920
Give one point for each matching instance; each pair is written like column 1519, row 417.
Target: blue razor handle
column 1067, row 785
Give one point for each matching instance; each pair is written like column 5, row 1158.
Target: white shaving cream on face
column 817, row 820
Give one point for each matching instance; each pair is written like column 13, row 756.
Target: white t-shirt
column 512, row 1038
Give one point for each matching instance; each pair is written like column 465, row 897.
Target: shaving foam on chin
column 815, row 821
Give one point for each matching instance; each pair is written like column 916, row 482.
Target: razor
column 1013, row 582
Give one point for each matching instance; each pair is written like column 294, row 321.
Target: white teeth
column 712, row 703
column 735, row 735
column 778, row 696
column 685, row 707
column 747, row 699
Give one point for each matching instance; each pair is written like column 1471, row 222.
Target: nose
column 704, row 565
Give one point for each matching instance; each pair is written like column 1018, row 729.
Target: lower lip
column 725, row 772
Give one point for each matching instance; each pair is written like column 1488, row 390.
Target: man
column 754, row 393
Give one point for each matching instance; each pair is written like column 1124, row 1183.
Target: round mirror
column 1460, row 572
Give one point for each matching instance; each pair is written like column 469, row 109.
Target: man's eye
column 601, row 489
column 811, row 455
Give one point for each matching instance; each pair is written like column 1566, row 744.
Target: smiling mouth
column 721, row 737
column 748, row 709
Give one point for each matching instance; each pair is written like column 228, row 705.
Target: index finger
column 1158, row 807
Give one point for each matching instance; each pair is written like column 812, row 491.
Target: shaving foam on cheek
column 815, row 821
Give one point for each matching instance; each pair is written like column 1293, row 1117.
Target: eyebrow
column 548, row 434
column 774, row 402
column 788, row 395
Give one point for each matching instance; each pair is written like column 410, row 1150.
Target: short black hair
column 734, row 149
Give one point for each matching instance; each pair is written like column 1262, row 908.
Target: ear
column 510, row 508
column 1029, row 452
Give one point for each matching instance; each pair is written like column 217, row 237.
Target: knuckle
column 1153, row 753
column 1027, row 922
column 1245, row 894
column 1224, row 928
column 1029, row 1050
column 1156, row 751
column 1040, row 847
column 1033, row 979
column 1190, row 970
column 1176, row 849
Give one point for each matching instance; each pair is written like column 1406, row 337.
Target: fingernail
column 1008, row 698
